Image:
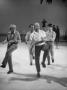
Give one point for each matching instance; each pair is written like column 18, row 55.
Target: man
column 57, row 35
column 28, row 42
column 50, row 38
column 13, row 38
column 27, row 37
column 45, row 28
column 51, row 35
column 38, row 39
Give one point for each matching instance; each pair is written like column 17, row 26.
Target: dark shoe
column 31, row 63
column 52, row 60
column 33, row 57
column 38, row 74
column 43, row 65
column 9, row 72
column 2, row 66
column 48, row 63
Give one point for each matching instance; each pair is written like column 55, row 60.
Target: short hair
column 36, row 24
column 31, row 25
column 12, row 26
column 50, row 25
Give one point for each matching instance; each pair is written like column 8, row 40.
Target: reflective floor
column 53, row 77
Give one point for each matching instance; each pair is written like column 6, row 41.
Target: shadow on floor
column 62, row 81
column 32, row 77
column 24, row 77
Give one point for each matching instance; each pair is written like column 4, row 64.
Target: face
column 50, row 29
column 32, row 28
column 12, row 30
column 36, row 27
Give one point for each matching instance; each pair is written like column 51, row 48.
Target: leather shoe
column 38, row 74
column 2, row 66
column 52, row 60
column 43, row 65
column 9, row 72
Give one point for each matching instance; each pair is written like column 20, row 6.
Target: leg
column 52, row 52
column 37, row 55
column 56, row 42
column 10, row 64
column 33, row 51
column 30, row 59
column 46, row 54
column 9, row 60
column 44, row 58
column 5, row 60
column 31, row 54
column 48, row 58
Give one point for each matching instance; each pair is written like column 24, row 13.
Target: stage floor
column 53, row 77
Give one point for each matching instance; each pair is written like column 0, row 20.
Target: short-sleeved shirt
column 27, row 37
column 38, row 36
column 50, row 35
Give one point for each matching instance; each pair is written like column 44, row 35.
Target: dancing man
column 50, row 35
column 13, row 38
column 50, row 38
column 45, row 28
column 28, row 42
column 38, row 39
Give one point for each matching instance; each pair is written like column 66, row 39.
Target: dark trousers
column 37, row 55
column 8, row 57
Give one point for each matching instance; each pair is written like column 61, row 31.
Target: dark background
column 24, row 12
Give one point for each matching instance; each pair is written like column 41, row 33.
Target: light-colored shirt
column 27, row 37
column 38, row 36
column 13, row 38
column 51, row 35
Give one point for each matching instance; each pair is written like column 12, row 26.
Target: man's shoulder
column 33, row 32
column 42, row 31
column 17, row 32
column 28, row 32
column 54, row 32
